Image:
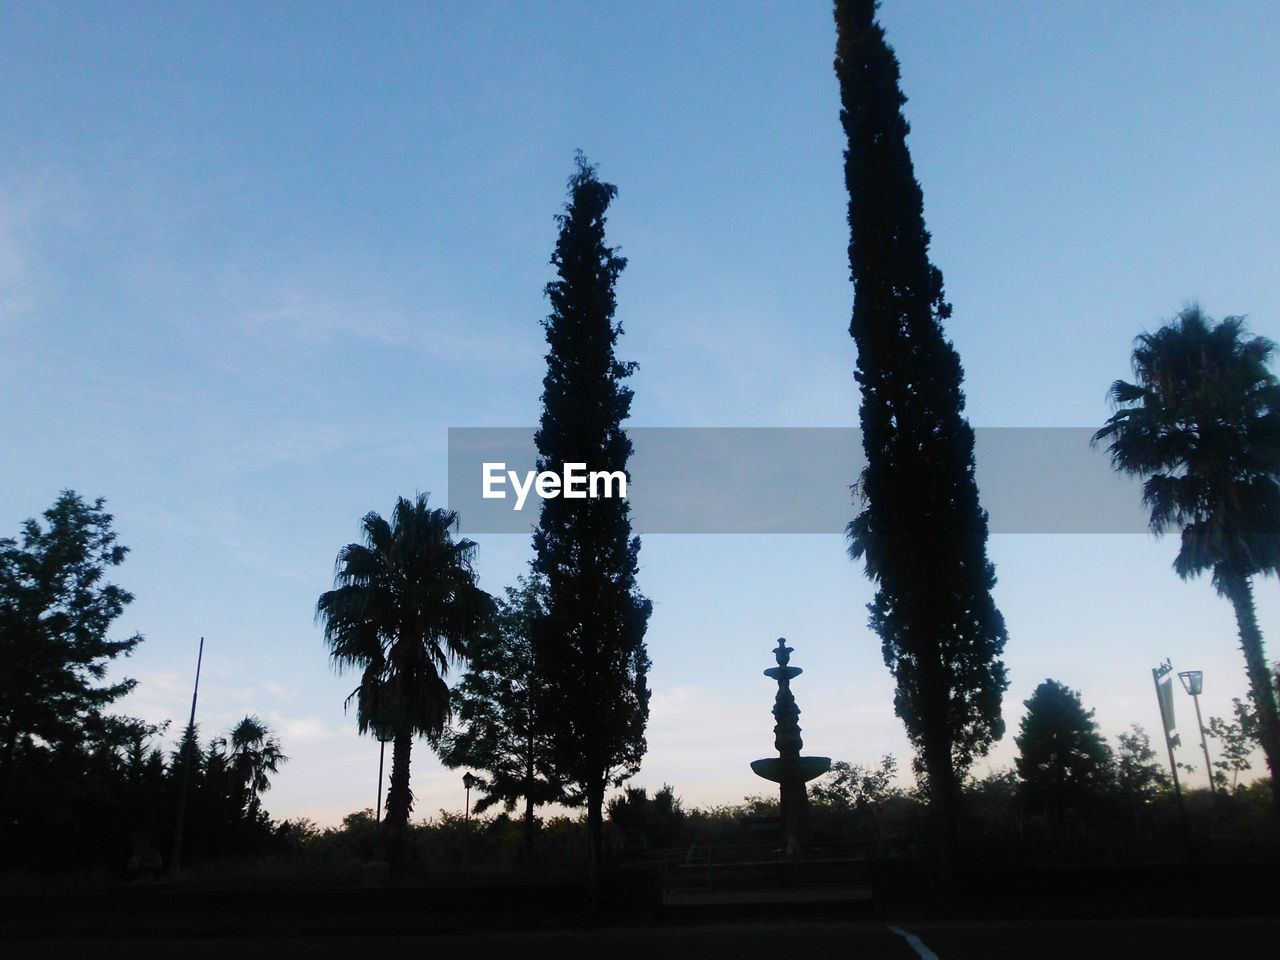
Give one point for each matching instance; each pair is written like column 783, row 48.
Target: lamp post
column 1193, row 683
column 385, row 730
column 469, row 781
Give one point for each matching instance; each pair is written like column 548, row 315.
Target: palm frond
column 1201, row 423
column 404, row 607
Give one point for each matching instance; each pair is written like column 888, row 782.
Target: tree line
column 82, row 787
column 553, row 705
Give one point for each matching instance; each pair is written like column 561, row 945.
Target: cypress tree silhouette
column 921, row 531
column 589, row 641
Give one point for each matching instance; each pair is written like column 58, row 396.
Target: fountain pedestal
column 789, row 770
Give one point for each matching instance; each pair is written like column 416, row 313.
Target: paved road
column 1026, row 940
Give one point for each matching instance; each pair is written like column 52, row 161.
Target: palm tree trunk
column 395, row 828
column 1261, row 691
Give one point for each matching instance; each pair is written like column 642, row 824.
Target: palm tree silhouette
column 405, row 604
column 255, row 756
column 1202, row 425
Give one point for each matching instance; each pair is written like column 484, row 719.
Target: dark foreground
column 1015, row 940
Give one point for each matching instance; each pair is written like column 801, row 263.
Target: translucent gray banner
column 797, row 480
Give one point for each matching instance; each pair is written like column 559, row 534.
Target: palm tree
column 1202, row 425
column 255, row 756
column 404, row 607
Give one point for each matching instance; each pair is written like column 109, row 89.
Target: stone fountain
column 789, row 770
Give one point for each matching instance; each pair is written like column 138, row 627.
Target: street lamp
column 384, row 729
column 469, row 781
column 1193, row 683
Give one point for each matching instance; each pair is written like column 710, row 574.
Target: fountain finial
column 782, row 653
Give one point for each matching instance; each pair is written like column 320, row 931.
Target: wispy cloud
column 16, row 297
column 298, row 729
column 30, row 203
column 323, row 313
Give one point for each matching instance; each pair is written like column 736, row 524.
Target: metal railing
column 729, row 866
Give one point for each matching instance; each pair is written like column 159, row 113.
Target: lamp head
column 1192, row 681
column 384, row 729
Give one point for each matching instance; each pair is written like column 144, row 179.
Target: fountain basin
column 780, row 769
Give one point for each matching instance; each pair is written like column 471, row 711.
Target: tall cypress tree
column 589, row 642
column 921, row 531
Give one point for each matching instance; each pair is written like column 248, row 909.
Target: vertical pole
column 1173, row 764
column 175, row 857
column 1204, row 744
column 382, row 753
column 468, row 810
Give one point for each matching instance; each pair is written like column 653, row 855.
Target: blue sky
column 255, row 260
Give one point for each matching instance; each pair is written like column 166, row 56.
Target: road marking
column 916, row 944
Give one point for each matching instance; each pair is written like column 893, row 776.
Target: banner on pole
column 1164, row 694
column 1165, row 687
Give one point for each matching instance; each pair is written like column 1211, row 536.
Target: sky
column 256, row 260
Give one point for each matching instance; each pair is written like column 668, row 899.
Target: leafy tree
column 861, row 790
column 56, row 610
column 81, row 787
column 1063, row 760
column 1237, row 739
column 654, row 823
column 1138, row 774
column 589, row 642
column 405, row 606
column 994, row 803
column 921, row 530
column 855, row 786
column 498, row 727
column 1234, row 750
column 1201, row 423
